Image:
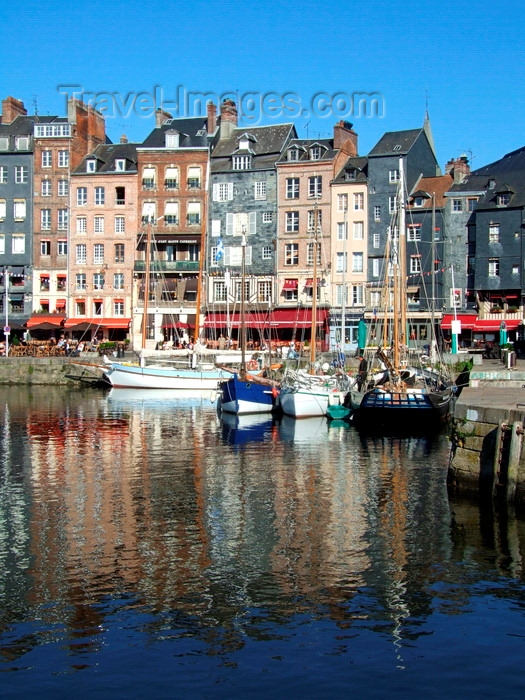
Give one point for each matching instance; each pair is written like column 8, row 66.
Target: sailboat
column 195, row 375
column 401, row 393
column 245, row 393
column 307, row 394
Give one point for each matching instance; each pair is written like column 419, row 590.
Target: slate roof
column 388, row 143
column 358, row 163
column 426, row 186
column 107, row 154
column 193, row 133
column 327, row 153
column 21, row 126
column 266, row 148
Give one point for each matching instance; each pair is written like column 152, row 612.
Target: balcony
column 193, row 219
column 171, row 220
column 148, row 184
column 170, row 184
column 194, row 184
column 168, row 266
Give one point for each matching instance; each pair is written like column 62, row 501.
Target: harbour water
column 150, row 549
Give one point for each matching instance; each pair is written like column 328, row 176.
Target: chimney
column 161, row 116
column 11, row 109
column 123, row 138
column 459, row 169
column 345, row 138
column 228, row 118
column 211, row 113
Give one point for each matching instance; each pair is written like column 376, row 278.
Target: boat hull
column 406, row 409
column 243, row 397
column 303, row 403
column 136, row 377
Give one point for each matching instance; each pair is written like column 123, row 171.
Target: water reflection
column 148, row 517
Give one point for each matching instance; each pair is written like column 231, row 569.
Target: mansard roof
column 304, row 145
column 266, row 146
column 357, row 163
column 107, row 154
column 394, row 143
column 193, row 133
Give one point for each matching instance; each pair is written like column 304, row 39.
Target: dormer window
column 397, row 147
column 315, row 153
column 22, row 143
column 120, row 164
column 492, row 183
column 503, row 199
column 241, row 162
column 91, row 166
column 350, row 174
column 293, row 154
column 244, row 144
column 418, row 201
column 172, row 139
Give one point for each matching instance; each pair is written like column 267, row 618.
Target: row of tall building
column 79, row 213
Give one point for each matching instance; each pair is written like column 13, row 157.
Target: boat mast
column 314, row 295
column 146, row 283
column 243, row 320
column 343, row 304
column 402, row 256
column 433, row 300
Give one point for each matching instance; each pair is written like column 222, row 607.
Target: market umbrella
column 503, row 334
column 45, row 326
column 361, row 334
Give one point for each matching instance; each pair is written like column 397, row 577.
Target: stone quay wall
column 38, row 370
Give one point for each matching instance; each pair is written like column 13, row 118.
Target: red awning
column 290, row 284
column 102, row 322
column 42, row 318
column 495, row 324
column 467, row 321
column 252, row 320
column 297, row 318
column 177, row 324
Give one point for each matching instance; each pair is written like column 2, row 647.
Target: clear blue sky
column 468, row 58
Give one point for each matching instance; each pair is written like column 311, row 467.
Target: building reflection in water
column 152, row 509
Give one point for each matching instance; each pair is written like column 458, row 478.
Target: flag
column 220, row 250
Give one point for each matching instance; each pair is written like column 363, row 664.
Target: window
column 119, row 252
column 315, row 153
column 375, row 240
column 359, row 201
column 2, row 244
column 171, row 213
column 3, row 174
column 81, row 254
column 415, row 264
column 267, row 217
column 341, row 262
column 98, row 280
column 310, row 254
column 471, row 203
column 81, row 196
column 118, row 307
column 292, row 221
column 22, row 143
column 63, row 188
column 264, row 291
column 118, row 280
column 46, row 159
column 53, row 130
column 493, row 267
column 292, row 188
column 63, row 159
column 45, row 219
column 357, row 262
column 100, row 195
column 239, row 289
column 149, row 213
column 377, row 213
column 91, row 166
column 81, row 225
column 241, row 162
column 219, row 291
column 61, row 248
column 414, row 232
column 171, row 178
column 3, row 208
column 194, row 213
column 4, row 143
column 267, row 253
column 98, row 222
column 21, row 174
column 120, row 196
column 223, row 191
column 241, row 224
column 342, row 232
column 259, row 190
column 314, row 219
column 457, row 205
column 392, row 204
column 18, row 243
column 97, row 307
column 62, row 219
column 342, row 202
column 359, row 230
column 120, row 224
column 493, row 233
column 393, row 176
column 315, row 186
column 44, row 283
column 172, row 139
column 357, row 295
column 80, row 281
column 148, row 179
column 293, row 154
column 194, row 178
column 503, row 200
column 98, row 254
column 339, row 294
column 120, row 164
column 291, row 254
column 515, row 269
column 45, row 189
column 375, row 267
column 19, row 209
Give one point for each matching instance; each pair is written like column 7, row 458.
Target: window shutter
column 216, row 192
column 230, row 190
column 252, row 223
column 227, row 255
column 215, row 227
column 229, row 224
